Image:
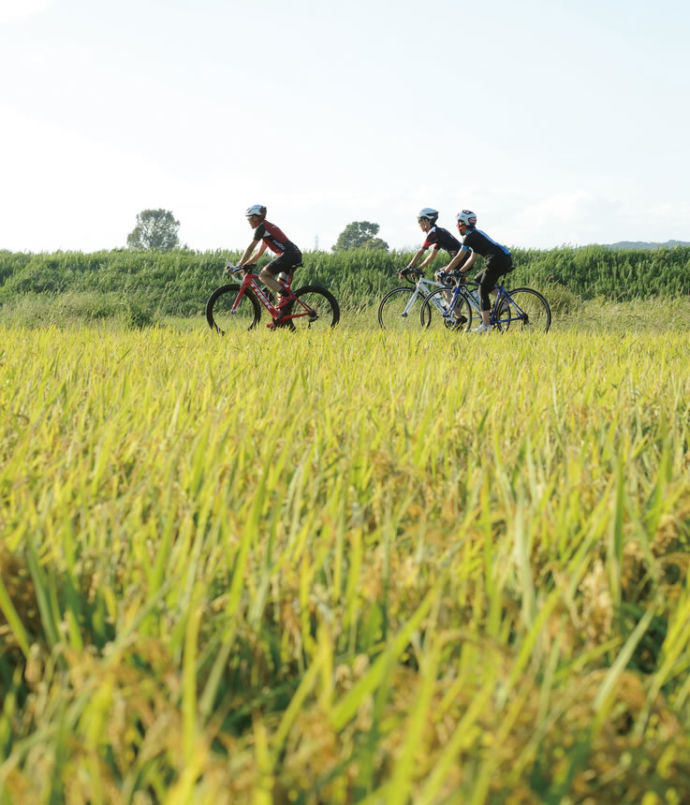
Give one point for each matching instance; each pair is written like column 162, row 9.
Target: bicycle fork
column 410, row 304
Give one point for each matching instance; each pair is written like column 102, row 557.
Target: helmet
column 429, row 214
column 255, row 209
column 466, row 217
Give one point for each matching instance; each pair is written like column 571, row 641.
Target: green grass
column 177, row 283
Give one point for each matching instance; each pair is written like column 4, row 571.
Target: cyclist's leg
column 485, row 285
column 487, row 279
column 286, row 262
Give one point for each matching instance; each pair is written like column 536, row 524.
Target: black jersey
column 481, row 243
column 441, row 238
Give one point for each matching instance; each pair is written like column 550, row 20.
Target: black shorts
column 288, row 261
column 495, row 269
column 489, row 276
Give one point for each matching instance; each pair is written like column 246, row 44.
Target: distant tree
column 375, row 243
column 360, row 235
column 155, row 229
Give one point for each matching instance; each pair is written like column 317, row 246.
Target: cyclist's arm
column 430, row 259
column 415, row 257
column 463, row 258
column 248, row 256
column 467, row 265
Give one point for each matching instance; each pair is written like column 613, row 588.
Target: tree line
column 157, row 230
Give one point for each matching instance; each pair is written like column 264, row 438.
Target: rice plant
column 344, row 567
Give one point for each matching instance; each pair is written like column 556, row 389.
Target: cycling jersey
column 274, row 238
column 441, row 238
column 481, row 243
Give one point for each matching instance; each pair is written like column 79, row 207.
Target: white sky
column 557, row 122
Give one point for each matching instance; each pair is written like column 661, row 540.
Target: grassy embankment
column 142, row 288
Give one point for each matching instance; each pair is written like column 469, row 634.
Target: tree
column 359, row 235
column 155, row 229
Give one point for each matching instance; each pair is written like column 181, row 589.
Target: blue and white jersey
column 481, row 243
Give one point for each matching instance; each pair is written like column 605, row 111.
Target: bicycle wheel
column 435, row 313
column 527, row 312
column 393, row 310
column 223, row 319
column 315, row 308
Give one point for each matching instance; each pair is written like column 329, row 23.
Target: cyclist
column 497, row 261
column 268, row 235
column 437, row 239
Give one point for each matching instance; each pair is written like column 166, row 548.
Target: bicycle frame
column 515, row 311
column 459, row 289
column 250, row 281
column 472, row 297
column 423, row 287
column 504, row 310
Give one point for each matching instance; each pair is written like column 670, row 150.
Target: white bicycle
column 406, row 305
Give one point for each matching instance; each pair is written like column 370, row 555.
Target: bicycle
column 524, row 307
column 397, row 306
column 238, row 306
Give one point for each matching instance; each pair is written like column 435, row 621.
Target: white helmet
column 428, row 213
column 255, row 209
column 466, row 217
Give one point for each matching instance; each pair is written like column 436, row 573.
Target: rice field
column 344, row 567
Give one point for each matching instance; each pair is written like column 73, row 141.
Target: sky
column 558, row 123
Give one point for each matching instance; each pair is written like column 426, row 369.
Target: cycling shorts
column 288, row 261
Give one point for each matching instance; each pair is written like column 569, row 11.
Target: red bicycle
column 238, row 306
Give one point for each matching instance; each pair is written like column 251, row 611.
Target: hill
column 639, row 244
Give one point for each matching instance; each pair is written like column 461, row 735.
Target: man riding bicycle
column 497, row 260
column 437, row 239
column 268, row 235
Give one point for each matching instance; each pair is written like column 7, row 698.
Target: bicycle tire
column 392, row 308
column 430, row 316
column 324, row 306
column 537, row 313
column 219, row 305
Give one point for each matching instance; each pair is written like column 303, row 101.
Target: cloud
column 13, row 10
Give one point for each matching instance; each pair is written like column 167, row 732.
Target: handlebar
column 231, row 269
column 406, row 273
column 458, row 276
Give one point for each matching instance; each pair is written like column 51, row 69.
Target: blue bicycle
column 522, row 309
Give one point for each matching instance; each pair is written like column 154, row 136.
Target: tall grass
column 178, row 283
column 344, row 567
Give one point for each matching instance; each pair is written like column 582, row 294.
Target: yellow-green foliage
column 344, row 567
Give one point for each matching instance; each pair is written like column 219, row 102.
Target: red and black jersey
column 441, row 238
column 274, row 238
